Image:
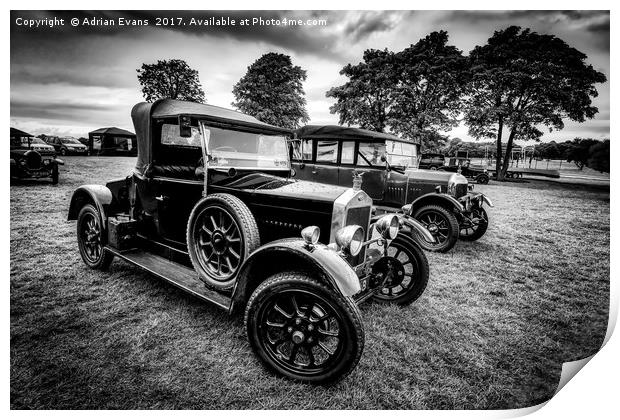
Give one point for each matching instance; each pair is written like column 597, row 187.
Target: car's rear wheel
column 407, row 270
column 63, row 151
column 442, row 224
column 304, row 329
column 221, row 234
column 91, row 240
column 474, row 225
column 482, row 179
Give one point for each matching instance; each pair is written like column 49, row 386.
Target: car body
column 441, row 201
column 432, row 161
column 211, row 208
column 464, row 167
column 67, row 146
column 32, row 158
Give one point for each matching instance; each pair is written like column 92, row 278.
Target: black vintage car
column 442, row 202
column 432, row 161
column 464, row 167
column 211, row 208
column 32, row 158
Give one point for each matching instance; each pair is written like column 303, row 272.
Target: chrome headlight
column 350, row 239
column 457, row 185
column 388, row 226
column 311, row 234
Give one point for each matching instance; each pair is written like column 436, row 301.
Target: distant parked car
column 32, row 158
column 67, row 145
column 432, row 161
column 465, row 168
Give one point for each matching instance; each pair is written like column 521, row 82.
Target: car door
column 347, row 168
column 301, row 159
column 369, row 162
column 325, row 168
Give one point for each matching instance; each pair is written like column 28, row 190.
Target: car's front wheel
column 442, row 224
column 221, row 234
column 406, row 267
column 304, row 329
column 474, row 224
column 90, row 238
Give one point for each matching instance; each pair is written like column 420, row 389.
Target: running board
column 176, row 274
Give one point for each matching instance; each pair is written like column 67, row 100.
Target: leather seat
column 172, row 171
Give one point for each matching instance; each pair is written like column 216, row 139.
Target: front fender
column 294, row 254
column 437, row 199
column 418, row 231
column 98, row 195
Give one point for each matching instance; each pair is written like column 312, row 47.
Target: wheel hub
column 298, row 337
column 432, row 228
column 219, row 241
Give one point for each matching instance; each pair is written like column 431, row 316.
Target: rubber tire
column 453, row 225
column 55, row 174
column 287, row 280
column 105, row 259
column 415, row 254
column 247, row 226
column 479, row 233
column 63, row 151
column 482, row 179
column 432, row 168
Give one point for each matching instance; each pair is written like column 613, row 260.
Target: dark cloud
column 370, row 22
column 53, row 110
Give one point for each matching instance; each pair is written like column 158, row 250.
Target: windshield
column 33, row 140
column 238, row 149
column 69, row 140
column 401, row 153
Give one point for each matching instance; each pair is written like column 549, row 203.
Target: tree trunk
column 506, row 162
column 498, row 161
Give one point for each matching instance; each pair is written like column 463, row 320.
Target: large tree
column 272, row 91
column 173, row 79
column 523, row 81
column 432, row 77
column 367, row 98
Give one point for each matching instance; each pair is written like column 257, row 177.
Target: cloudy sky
column 70, row 80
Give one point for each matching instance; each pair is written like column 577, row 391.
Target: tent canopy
column 113, row 131
column 19, row 133
column 347, row 133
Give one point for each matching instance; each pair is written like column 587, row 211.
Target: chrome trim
column 350, row 199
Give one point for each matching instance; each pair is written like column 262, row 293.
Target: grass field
column 496, row 322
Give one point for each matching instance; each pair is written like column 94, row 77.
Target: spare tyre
column 33, row 159
column 221, row 234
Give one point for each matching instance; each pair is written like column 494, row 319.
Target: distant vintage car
column 211, row 208
column 432, row 161
column 442, row 202
column 32, row 158
column 464, row 167
column 67, row 146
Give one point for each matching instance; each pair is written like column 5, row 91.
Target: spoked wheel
column 221, row 233
column 442, row 224
column 304, row 330
column 406, row 269
column 90, row 238
column 482, row 179
column 474, row 224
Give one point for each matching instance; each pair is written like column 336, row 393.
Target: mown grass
column 498, row 318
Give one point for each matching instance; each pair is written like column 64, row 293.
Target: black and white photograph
column 307, row 209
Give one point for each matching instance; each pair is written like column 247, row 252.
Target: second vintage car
column 32, row 158
column 211, row 208
column 442, row 202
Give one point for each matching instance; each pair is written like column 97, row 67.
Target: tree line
column 515, row 85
